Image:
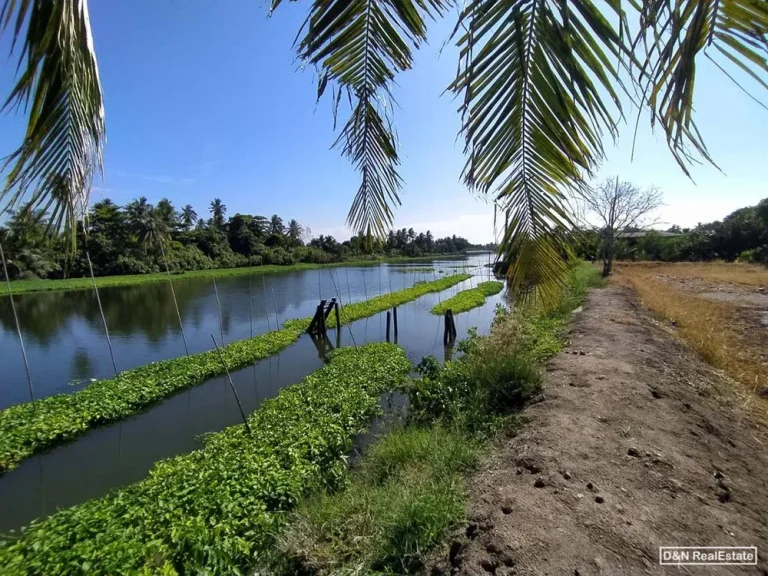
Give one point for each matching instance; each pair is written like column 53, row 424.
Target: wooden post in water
column 321, row 322
column 453, row 327
column 338, row 321
column 394, row 316
column 314, row 325
column 446, row 328
column 389, row 320
column 232, row 385
column 328, row 310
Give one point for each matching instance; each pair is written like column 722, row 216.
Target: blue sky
column 206, row 99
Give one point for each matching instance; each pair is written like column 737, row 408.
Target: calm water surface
column 123, row 453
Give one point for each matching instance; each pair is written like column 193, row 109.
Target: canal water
column 117, row 455
column 64, row 334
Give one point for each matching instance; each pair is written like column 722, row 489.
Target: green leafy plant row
column 38, row 285
column 213, row 510
column 366, row 308
column 468, row 299
column 411, row 270
column 28, row 428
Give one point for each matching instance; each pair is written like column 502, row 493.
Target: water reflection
column 65, row 338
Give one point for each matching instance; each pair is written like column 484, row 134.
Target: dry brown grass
column 727, row 272
column 723, row 334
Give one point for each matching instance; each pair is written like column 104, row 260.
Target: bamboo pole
column 175, row 302
column 389, row 321
column 18, row 327
column 101, row 311
column 274, row 301
column 232, row 385
column 266, row 306
column 221, row 318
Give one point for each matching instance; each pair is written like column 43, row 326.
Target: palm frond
column 58, row 85
column 359, row 46
column 539, row 85
column 674, row 33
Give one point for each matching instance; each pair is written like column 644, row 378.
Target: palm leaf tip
column 58, row 86
column 359, row 47
column 539, row 90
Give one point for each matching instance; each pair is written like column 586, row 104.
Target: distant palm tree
column 148, row 223
column 188, row 217
column 137, row 212
column 276, row 225
column 540, row 85
column 218, row 209
column 167, row 212
column 295, row 230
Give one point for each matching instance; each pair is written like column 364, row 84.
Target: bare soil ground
column 637, row 444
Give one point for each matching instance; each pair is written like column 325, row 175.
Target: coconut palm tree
column 276, row 225
column 295, row 230
column 218, row 209
column 540, row 83
column 188, row 217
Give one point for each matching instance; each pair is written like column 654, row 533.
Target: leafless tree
column 613, row 209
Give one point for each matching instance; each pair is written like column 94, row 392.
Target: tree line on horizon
column 140, row 238
column 741, row 236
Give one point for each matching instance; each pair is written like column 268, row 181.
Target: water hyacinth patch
column 213, row 510
column 468, row 299
column 26, row 429
column 411, row 269
column 357, row 310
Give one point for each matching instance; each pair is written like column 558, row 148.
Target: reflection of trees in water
column 81, row 365
column 143, row 308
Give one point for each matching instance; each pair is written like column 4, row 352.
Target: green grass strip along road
column 468, row 299
column 26, row 429
column 37, row 285
column 212, row 511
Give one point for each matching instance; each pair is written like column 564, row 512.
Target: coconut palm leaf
column 539, row 85
column 58, row 85
column 359, row 46
column 673, row 34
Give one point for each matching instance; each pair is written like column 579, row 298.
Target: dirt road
column 637, row 444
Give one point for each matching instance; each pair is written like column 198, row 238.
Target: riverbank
column 636, row 443
column 28, row 428
column 213, row 510
column 409, row 491
column 37, row 285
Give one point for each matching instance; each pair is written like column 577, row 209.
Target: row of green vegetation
column 367, row 308
column 408, row 492
column 213, row 511
column 28, row 428
column 412, row 270
column 39, row 285
column 142, row 238
column 470, row 298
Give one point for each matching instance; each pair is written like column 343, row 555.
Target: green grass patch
column 213, row 511
column 411, row 270
column 28, row 428
column 468, row 299
column 37, row 285
column 407, row 494
column 403, row 499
